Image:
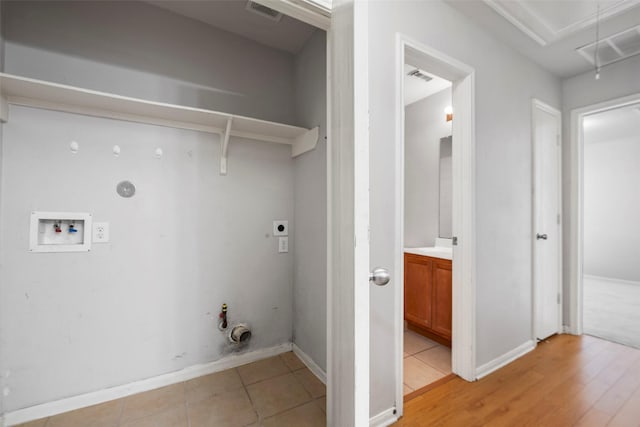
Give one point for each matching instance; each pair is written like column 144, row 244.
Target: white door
column 547, row 236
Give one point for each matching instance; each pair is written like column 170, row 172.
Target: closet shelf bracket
column 224, row 147
column 305, row 142
column 4, row 109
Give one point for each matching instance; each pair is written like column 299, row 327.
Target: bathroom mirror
column 446, row 189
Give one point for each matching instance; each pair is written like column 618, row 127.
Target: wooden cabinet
column 427, row 296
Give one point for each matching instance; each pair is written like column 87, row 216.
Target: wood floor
column 565, row 381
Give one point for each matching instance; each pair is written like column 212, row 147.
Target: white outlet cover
column 100, row 232
column 285, row 228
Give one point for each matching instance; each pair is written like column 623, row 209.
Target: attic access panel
column 614, row 48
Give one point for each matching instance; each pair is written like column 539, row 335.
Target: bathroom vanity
column 427, row 292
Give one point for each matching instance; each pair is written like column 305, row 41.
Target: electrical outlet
column 283, row 244
column 280, row 228
column 100, row 232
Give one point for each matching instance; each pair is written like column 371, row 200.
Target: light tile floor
column 279, row 391
column 425, row 361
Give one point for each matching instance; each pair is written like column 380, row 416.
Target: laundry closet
column 159, row 160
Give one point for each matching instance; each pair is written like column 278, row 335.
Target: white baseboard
column 610, row 279
column 505, row 359
column 93, row 398
column 384, row 418
column 313, row 366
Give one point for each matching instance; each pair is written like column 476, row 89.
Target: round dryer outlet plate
column 126, row 189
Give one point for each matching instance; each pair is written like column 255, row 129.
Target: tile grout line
column 253, row 406
column 292, row 408
column 186, row 407
column 124, row 401
column 312, row 399
column 291, row 371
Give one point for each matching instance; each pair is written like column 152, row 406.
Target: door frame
column 544, row 107
column 464, row 217
column 576, row 207
column 346, row 24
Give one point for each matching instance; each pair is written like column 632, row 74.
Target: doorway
column 582, row 266
column 427, row 230
column 611, row 274
column 462, row 271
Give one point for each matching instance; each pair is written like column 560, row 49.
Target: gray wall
column 612, row 207
column 2, row 29
column 310, row 206
column 505, row 83
column 616, row 80
column 146, row 303
column 1, row 150
column 135, row 49
column 425, row 124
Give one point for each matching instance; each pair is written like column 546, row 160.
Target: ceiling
column 612, row 125
column 416, row 89
column 287, row 34
column 549, row 32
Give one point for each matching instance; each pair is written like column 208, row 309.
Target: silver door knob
column 541, row 236
column 379, row 276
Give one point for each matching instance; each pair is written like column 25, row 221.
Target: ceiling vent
column 613, row 48
column 419, row 74
column 264, row 11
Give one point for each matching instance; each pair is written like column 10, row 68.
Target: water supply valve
column 223, row 324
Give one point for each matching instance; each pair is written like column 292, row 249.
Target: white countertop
column 434, row 251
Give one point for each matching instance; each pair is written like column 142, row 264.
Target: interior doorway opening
column 578, row 270
column 428, row 250
column 461, row 272
column 611, row 278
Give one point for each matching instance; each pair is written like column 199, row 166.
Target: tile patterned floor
column 425, row 361
column 279, row 391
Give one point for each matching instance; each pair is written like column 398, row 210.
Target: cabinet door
column 417, row 290
column 442, row 297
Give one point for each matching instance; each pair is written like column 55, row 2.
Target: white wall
column 505, row 84
column 425, row 124
column 612, row 207
column 1, row 150
column 310, row 205
column 135, row 49
column 616, row 81
column 147, row 303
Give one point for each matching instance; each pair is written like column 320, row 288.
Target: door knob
column 379, row 276
column 541, row 236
